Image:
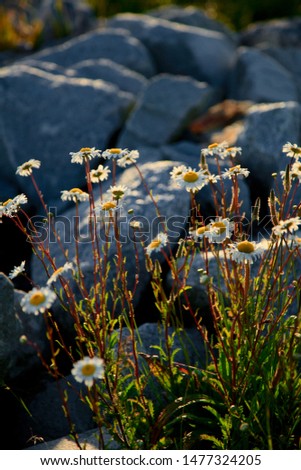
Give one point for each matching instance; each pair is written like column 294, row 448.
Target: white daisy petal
column 88, row 369
column 38, row 300
column 84, row 154
column 26, row 168
column 245, row 251
column 17, row 271
column 75, row 195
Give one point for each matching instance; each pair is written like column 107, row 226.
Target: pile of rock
column 146, row 82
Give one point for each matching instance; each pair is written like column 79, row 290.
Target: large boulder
column 191, row 16
column 116, row 45
column 165, row 108
column 46, row 116
column 257, row 77
column 279, row 33
column 267, row 128
column 8, row 326
column 179, row 49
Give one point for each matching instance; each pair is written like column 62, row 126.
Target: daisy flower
column 38, row 300
column 26, row 168
column 100, row 174
column 219, row 230
column 199, row 233
column 292, row 150
column 177, row 171
column 231, row 152
column 215, row 150
column 11, row 206
column 296, row 171
column 75, row 195
column 191, row 180
column 288, row 225
column 114, row 153
column 157, row 243
column 117, row 192
column 88, row 369
column 17, row 270
column 84, row 154
column 58, row 272
column 235, row 171
column 128, row 158
column 136, row 224
column 245, row 251
column 107, row 206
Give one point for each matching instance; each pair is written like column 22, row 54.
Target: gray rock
column 116, row 45
column 97, row 69
column 267, row 128
column 191, row 16
column 257, row 77
column 290, row 59
column 67, row 17
column 279, row 33
column 8, row 326
column 180, row 49
column 35, row 128
column 164, row 109
column 49, row 422
column 111, row 72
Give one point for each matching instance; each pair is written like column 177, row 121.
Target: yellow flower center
column 58, row 271
column 7, row 202
column 212, row 146
column 190, row 177
column 37, row 298
column 115, row 150
column 245, row 247
column 85, row 150
column 201, row 230
column 235, row 168
column 88, row 369
column 219, row 227
column 109, row 205
column 155, row 244
column 76, row 190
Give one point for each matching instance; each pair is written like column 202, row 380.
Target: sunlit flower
column 157, row 243
column 38, row 300
column 88, row 369
column 287, row 226
column 100, row 174
column 128, row 158
column 75, row 195
column 11, row 206
column 219, row 230
column 210, row 178
column 199, row 233
column 114, row 153
column 107, row 206
column 17, row 270
column 136, row 224
column 177, row 171
column 84, row 154
column 215, row 149
column 118, row 192
column 26, row 168
column 245, row 251
column 236, row 171
column 189, row 179
column 296, row 171
column 231, row 152
column 292, row 150
column 58, row 272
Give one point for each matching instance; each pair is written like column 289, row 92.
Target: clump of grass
column 247, row 395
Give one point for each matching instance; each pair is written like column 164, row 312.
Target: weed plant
column 248, row 394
